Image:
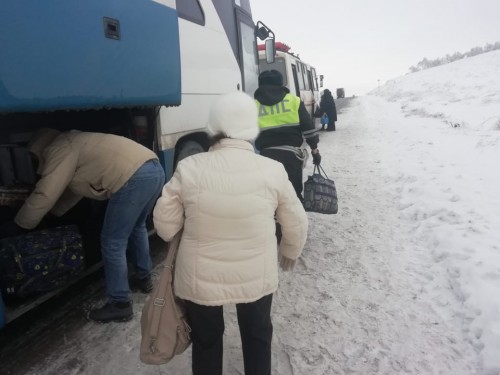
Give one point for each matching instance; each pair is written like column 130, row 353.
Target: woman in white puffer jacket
column 226, row 201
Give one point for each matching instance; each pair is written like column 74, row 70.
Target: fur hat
column 39, row 142
column 271, row 77
column 235, row 115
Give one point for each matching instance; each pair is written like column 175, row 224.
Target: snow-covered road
column 356, row 298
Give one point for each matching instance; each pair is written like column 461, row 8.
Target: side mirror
column 264, row 33
column 270, row 51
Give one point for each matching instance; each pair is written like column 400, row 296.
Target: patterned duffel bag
column 40, row 261
column 320, row 194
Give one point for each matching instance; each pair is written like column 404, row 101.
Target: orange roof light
column 279, row 47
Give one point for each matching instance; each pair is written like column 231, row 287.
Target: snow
column 405, row 279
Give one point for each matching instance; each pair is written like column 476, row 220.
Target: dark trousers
column 256, row 330
column 292, row 164
column 293, row 167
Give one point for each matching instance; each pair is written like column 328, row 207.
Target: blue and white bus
column 145, row 69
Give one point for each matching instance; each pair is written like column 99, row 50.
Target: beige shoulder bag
column 164, row 328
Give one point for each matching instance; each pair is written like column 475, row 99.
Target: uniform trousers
column 256, row 331
column 293, row 167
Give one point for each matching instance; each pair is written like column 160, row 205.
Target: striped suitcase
column 39, row 261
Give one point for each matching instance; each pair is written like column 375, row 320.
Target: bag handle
column 166, row 279
column 320, row 169
column 173, row 246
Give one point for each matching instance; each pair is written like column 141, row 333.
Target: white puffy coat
column 226, row 200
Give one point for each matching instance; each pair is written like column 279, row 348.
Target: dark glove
column 316, row 158
column 10, row 229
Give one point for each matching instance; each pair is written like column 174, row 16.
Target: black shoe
column 112, row 312
column 144, row 285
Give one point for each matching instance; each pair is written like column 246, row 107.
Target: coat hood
column 39, row 142
column 327, row 94
column 270, row 95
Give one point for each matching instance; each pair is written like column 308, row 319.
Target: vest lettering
column 262, row 111
column 283, row 108
column 284, row 113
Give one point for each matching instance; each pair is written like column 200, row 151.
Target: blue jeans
column 124, row 229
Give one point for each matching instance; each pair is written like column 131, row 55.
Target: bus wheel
column 187, row 149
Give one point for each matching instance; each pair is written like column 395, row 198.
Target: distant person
column 284, row 125
column 327, row 105
column 226, row 200
column 99, row 166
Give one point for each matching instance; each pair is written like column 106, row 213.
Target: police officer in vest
column 284, row 125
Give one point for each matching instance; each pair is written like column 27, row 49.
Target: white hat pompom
column 235, row 115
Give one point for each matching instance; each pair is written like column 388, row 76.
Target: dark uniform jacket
column 285, row 136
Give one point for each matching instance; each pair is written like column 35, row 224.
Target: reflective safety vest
column 282, row 114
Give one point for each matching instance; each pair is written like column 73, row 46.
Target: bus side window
column 307, row 83
column 301, row 76
column 296, row 80
column 191, row 10
column 311, row 82
column 315, row 79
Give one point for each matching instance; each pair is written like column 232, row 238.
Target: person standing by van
column 100, row 166
column 284, row 125
column 226, row 200
column 327, row 105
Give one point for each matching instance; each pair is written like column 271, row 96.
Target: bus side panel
column 167, row 162
column 209, row 68
column 72, row 54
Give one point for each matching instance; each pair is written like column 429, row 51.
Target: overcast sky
column 355, row 43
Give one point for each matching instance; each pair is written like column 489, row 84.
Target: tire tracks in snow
column 356, row 301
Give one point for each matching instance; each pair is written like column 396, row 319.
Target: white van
column 298, row 76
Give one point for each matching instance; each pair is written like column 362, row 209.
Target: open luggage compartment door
column 72, row 54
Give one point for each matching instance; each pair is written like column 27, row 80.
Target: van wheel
column 187, row 149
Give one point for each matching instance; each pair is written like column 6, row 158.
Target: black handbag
column 320, row 194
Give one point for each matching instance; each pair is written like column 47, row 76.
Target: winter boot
column 144, row 285
column 112, row 312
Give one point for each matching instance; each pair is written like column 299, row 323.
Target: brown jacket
column 78, row 164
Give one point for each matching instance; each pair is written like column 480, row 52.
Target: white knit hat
column 235, row 115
